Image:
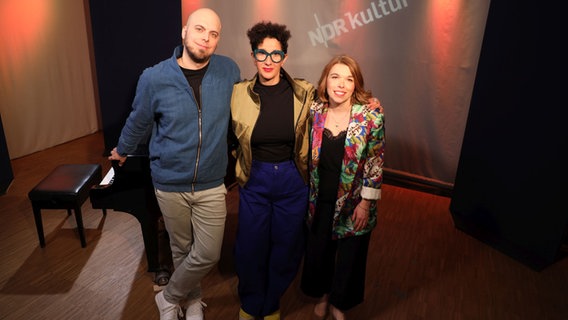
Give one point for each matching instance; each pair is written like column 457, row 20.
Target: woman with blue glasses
column 270, row 120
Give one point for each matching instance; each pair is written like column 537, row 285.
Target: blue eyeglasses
column 276, row 56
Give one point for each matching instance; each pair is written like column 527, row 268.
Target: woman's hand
column 360, row 216
column 374, row 103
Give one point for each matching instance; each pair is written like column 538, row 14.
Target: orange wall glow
column 266, row 8
column 23, row 25
column 187, row 7
column 444, row 15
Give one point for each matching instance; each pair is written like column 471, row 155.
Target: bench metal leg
column 79, row 219
column 39, row 225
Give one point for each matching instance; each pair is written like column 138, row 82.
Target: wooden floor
column 420, row 266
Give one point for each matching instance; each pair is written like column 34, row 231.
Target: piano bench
column 66, row 187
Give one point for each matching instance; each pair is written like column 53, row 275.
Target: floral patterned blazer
column 362, row 166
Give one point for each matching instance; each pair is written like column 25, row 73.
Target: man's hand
column 115, row 156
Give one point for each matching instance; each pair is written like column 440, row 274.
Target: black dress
column 334, row 267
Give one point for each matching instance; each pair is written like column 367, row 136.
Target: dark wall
column 129, row 36
column 510, row 187
column 6, row 173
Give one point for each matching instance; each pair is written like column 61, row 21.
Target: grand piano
column 128, row 188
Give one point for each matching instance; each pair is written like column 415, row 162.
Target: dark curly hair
column 267, row 29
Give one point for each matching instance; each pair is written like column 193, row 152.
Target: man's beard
column 197, row 59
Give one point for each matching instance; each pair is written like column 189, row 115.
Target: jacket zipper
column 199, row 132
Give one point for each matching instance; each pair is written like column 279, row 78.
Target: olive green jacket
column 245, row 109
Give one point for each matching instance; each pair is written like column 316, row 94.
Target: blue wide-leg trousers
column 270, row 236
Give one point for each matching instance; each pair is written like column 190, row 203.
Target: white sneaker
column 194, row 309
column 168, row 311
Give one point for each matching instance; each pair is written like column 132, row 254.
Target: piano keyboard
column 109, row 177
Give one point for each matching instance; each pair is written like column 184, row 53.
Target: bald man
column 184, row 102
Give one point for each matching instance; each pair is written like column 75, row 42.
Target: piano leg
column 158, row 252
column 150, row 236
